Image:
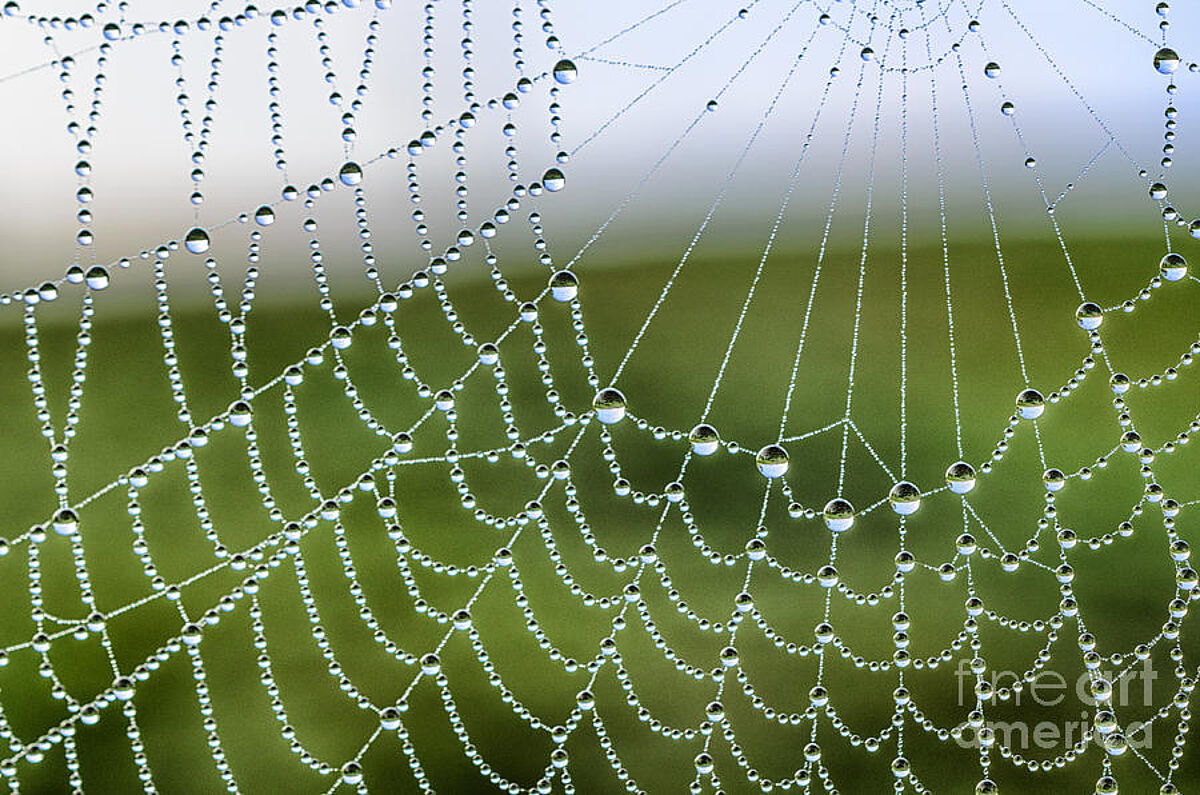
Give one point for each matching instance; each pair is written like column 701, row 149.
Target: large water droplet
column 609, row 404
column 565, row 72
column 350, row 174
column 1089, row 316
column 992, row 70
column 96, row 277
column 564, row 286
column 264, row 216
column 196, row 241
column 960, row 477
column 240, row 414
column 489, row 354
column 1030, row 404
column 1166, row 60
column 772, row 461
column 704, row 439
column 66, row 522
column 352, row 773
column 839, row 515
column 1173, row 267
column 554, row 180
column 905, row 498
column 112, row 31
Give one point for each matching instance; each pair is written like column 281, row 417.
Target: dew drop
column 960, row 477
column 565, row 72
column 352, row 773
column 112, row 31
column 96, row 277
column 489, row 354
column 264, row 216
column 1166, row 61
column 609, row 404
column 991, row 70
column 1030, row 404
column 564, row 286
column 1089, row 316
column 554, row 180
column 431, row 664
column 839, row 515
column 704, row 439
column 66, row 522
column 905, row 498
column 196, row 241
column 350, row 174
column 1173, row 267
column 772, row 461
column 389, row 719
column 240, row 414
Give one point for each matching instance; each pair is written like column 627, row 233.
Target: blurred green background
column 128, row 416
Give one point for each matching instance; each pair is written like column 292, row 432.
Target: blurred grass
column 128, row 416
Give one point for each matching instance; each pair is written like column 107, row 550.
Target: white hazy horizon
column 1079, row 72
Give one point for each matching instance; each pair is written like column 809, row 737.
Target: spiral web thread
column 882, row 47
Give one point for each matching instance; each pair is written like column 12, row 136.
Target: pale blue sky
column 679, row 59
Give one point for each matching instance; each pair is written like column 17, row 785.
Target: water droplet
column 1054, row 479
column 704, row 439
column 1173, row 267
column 1089, row 316
column 1119, row 383
column 992, row 70
column 196, row 241
column 960, row 477
column 264, row 216
column 444, row 400
column 609, row 404
column 122, row 688
column 350, row 174
column 867, row 54
column 489, row 354
column 1166, row 60
column 96, row 277
column 1030, row 404
column 839, row 515
column 112, row 31
column 1158, row 191
column 554, row 180
column 564, row 286
column 772, row 461
column 389, row 719
column 431, row 664
column 905, row 498
column 340, row 338
column 66, row 522
column 240, row 414
column 352, row 773
column 565, row 72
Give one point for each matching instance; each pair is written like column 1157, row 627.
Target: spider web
column 739, row 398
